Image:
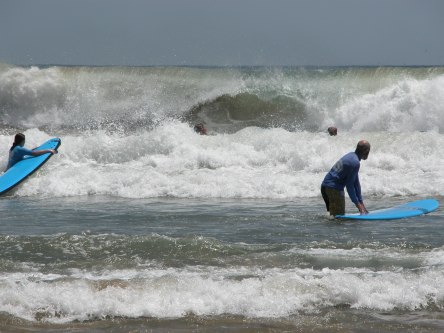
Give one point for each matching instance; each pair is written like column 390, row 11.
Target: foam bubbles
column 209, row 291
column 119, row 139
column 27, row 93
column 228, row 99
column 172, row 161
column 408, row 105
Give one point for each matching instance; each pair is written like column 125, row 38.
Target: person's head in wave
column 200, row 128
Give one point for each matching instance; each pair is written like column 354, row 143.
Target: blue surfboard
column 409, row 209
column 26, row 167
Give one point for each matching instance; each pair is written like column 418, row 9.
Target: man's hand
column 362, row 209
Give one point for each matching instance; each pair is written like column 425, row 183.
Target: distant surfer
column 200, row 128
column 345, row 174
column 17, row 151
column 333, row 131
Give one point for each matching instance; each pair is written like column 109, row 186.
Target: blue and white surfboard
column 26, row 167
column 409, row 209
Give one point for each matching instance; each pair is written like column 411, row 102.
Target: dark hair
column 198, row 127
column 332, row 130
column 18, row 139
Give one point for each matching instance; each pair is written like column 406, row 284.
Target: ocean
column 139, row 224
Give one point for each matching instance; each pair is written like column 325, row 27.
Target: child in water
column 18, row 152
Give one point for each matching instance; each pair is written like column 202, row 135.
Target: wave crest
column 227, row 99
column 27, row 92
column 232, row 113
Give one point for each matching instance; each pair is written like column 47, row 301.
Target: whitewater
column 141, row 224
column 128, row 132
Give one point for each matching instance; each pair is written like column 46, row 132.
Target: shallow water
column 216, row 265
column 140, row 224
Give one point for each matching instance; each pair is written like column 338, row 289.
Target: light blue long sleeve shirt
column 17, row 155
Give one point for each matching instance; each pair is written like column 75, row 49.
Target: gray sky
column 222, row 32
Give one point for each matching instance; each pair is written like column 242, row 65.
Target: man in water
column 345, row 174
column 333, row 131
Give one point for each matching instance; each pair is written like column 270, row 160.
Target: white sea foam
column 173, row 161
column 435, row 257
column 27, row 95
column 122, row 141
column 355, row 99
column 408, row 105
column 250, row 292
column 83, row 97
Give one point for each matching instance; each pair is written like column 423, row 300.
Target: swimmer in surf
column 17, row 151
column 333, row 131
column 200, row 128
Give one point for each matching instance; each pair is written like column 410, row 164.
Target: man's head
column 332, row 130
column 363, row 149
